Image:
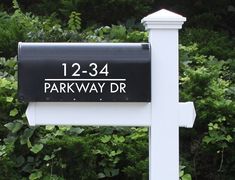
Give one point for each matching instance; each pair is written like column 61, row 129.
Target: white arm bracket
column 101, row 114
column 187, row 114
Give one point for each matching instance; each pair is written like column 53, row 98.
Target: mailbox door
column 84, row 72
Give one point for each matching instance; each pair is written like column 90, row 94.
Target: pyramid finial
column 163, row 19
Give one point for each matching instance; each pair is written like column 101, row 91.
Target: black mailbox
column 84, row 72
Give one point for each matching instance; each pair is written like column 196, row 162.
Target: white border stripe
column 85, row 79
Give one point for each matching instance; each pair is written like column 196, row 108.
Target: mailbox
column 84, row 72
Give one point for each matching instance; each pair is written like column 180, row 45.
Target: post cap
column 163, row 19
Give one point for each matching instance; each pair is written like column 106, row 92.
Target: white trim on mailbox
column 89, row 114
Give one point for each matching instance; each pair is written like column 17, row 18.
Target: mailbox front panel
column 84, row 72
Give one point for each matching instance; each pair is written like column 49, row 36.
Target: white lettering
column 101, row 87
column 93, row 88
column 46, row 86
column 114, row 87
column 69, row 87
column 122, row 87
column 82, row 87
column 62, row 87
column 54, row 88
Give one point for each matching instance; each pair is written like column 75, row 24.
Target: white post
column 163, row 28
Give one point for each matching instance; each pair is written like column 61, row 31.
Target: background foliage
column 207, row 75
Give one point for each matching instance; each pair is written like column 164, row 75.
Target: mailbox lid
column 85, row 72
column 84, row 51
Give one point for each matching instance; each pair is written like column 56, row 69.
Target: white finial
column 163, row 19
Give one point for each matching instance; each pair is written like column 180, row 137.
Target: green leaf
column 2, row 150
column 118, row 32
column 26, row 135
column 186, row 177
column 50, row 128
column 107, row 172
column 29, row 143
column 28, row 132
column 15, row 4
column 181, row 173
column 36, row 148
column 14, row 126
column 114, row 172
column 47, row 157
column 35, row 175
column 76, row 130
column 13, row 112
column 4, row 83
column 20, row 161
column 74, row 21
column 9, row 99
column 101, row 175
column 64, row 128
column 118, row 139
column 229, row 138
column 10, row 139
column 207, row 139
column 105, row 139
column 30, row 159
column 27, row 168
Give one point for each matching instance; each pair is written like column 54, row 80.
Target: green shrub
column 67, row 152
column 209, row 144
column 91, row 153
column 210, row 43
column 26, row 27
